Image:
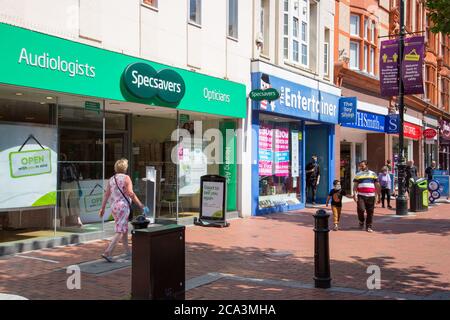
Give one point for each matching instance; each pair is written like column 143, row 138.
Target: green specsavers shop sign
column 36, row 60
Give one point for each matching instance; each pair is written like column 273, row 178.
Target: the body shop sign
column 143, row 82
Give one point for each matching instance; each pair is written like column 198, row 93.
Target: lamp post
column 401, row 202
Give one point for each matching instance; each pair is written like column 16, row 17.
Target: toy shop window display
column 278, row 163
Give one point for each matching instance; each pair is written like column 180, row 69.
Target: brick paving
column 412, row 253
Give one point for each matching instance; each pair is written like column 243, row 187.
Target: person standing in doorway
column 429, row 171
column 120, row 189
column 411, row 172
column 312, row 178
column 366, row 190
column 385, row 182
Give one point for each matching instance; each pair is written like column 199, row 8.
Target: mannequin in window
column 70, row 193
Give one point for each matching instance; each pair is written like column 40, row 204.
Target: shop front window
column 28, row 152
column 279, row 162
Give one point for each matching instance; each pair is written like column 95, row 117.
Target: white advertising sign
column 193, row 165
column 28, row 166
column 90, row 201
column 212, row 199
column 294, row 151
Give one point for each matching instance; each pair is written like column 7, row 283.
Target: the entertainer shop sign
column 297, row 100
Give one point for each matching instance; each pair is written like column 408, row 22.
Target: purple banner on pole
column 412, row 65
column 389, row 71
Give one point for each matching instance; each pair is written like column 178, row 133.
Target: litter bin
column 418, row 195
column 158, row 263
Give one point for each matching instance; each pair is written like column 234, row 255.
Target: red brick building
column 359, row 24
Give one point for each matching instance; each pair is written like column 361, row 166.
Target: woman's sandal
column 109, row 259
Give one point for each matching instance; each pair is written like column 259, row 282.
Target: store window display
column 278, row 162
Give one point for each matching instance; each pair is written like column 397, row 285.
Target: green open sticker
column 30, row 163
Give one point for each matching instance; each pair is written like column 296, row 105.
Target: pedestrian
column 335, row 196
column 312, row 178
column 385, row 182
column 366, row 190
column 411, row 173
column 120, row 190
column 429, row 171
column 388, row 165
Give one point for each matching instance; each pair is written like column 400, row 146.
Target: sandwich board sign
column 213, row 199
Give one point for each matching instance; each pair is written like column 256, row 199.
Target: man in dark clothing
column 312, row 178
column 411, row 172
column 429, row 170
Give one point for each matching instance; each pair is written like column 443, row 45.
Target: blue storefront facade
column 286, row 133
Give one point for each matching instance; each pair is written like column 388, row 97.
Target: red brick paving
column 412, row 253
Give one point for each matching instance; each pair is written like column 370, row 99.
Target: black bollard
column 322, row 277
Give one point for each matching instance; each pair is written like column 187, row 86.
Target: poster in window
column 282, row 158
column 265, row 155
column 28, row 166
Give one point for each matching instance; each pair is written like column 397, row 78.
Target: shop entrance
column 345, row 167
column 317, row 143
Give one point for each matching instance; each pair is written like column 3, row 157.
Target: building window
column 354, row 55
column 430, row 84
column 265, row 25
column 372, row 33
column 233, row 18
column 295, row 50
column 304, row 28
column 295, row 28
column 295, row 31
column 366, row 29
column 286, row 47
column 304, row 54
column 363, row 60
column 326, row 58
column 372, row 60
column 354, row 25
column 151, row 3
column 195, row 11
column 445, row 95
column 366, row 58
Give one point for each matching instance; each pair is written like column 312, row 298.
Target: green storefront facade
column 126, row 106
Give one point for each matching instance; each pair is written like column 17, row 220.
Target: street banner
column 265, row 155
column 282, row 152
column 392, row 124
column 389, row 69
column 412, row 65
column 347, row 110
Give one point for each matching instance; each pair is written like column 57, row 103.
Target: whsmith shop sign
column 36, row 60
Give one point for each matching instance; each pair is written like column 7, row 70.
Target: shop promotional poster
column 193, row 165
column 265, row 155
column 282, row 152
column 91, row 201
column 212, row 199
column 28, row 166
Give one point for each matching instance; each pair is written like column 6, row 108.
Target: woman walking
column 120, row 189
column 385, row 182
